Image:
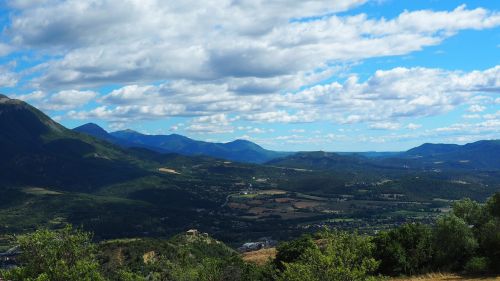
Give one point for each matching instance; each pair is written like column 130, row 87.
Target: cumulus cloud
column 476, row 108
column 62, row 100
column 382, row 99
column 413, row 126
column 399, row 93
column 385, row 126
column 8, row 78
column 219, row 61
column 259, row 45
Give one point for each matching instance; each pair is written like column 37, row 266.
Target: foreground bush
column 336, row 256
column 407, row 250
column 62, row 255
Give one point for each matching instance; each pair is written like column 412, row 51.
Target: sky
column 342, row 75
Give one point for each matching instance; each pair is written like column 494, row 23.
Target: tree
column 62, row 255
column 473, row 213
column 291, row 251
column 454, row 242
column 338, row 256
column 493, row 205
column 405, row 250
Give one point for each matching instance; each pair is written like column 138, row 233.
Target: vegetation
column 467, row 240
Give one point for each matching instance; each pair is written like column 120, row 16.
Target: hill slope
column 38, row 151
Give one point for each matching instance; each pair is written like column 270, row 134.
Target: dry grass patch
column 259, row 257
column 40, row 191
column 168, row 171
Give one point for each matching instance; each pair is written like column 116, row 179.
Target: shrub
column 62, row 255
column 405, row 250
column 477, row 265
column 339, row 256
column 454, row 243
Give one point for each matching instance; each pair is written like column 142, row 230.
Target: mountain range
column 127, row 184
column 238, row 150
column 483, row 154
column 480, row 155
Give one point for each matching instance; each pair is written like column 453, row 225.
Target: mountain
column 96, row 131
column 483, row 154
column 430, row 149
column 318, row 160
column 480, row 155
column 38, row 151
column 238, row 150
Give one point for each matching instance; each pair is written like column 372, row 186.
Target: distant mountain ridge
column 238, row 150
column 319, row 160
column 480, row 155
column 484, row 154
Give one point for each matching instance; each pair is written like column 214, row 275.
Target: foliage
column 472, row 212
column 477, row 265
column 288, row 252
column 338, row 256
column 454, row 242
column 405, row 250
column 62, row 255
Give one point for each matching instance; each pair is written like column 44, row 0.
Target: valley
column 119, row 192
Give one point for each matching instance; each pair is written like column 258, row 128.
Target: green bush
column 454, row 243
column 62, row 255
column 477, row 265
column 338, row 256
column 405, row 250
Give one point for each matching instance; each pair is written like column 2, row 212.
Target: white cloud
column 253, row 46
column 387, row 96
column 5, row 49
column 63, row 100
column 282, row 117
column 385, row 126
column 70, row 99
column 413, row 126
column 398, row 93
column 33, row 96
column 471, row 116
column 495, row 115
column 209, row 129
column 476, row 108
column 8, row 78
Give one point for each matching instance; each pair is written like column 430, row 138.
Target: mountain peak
column 90, row 127
column 243, row 144
column 6, row 100
column 94, row 130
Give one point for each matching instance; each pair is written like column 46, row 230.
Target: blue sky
column 349, row 75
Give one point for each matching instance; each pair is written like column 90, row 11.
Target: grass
column 259, row 257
